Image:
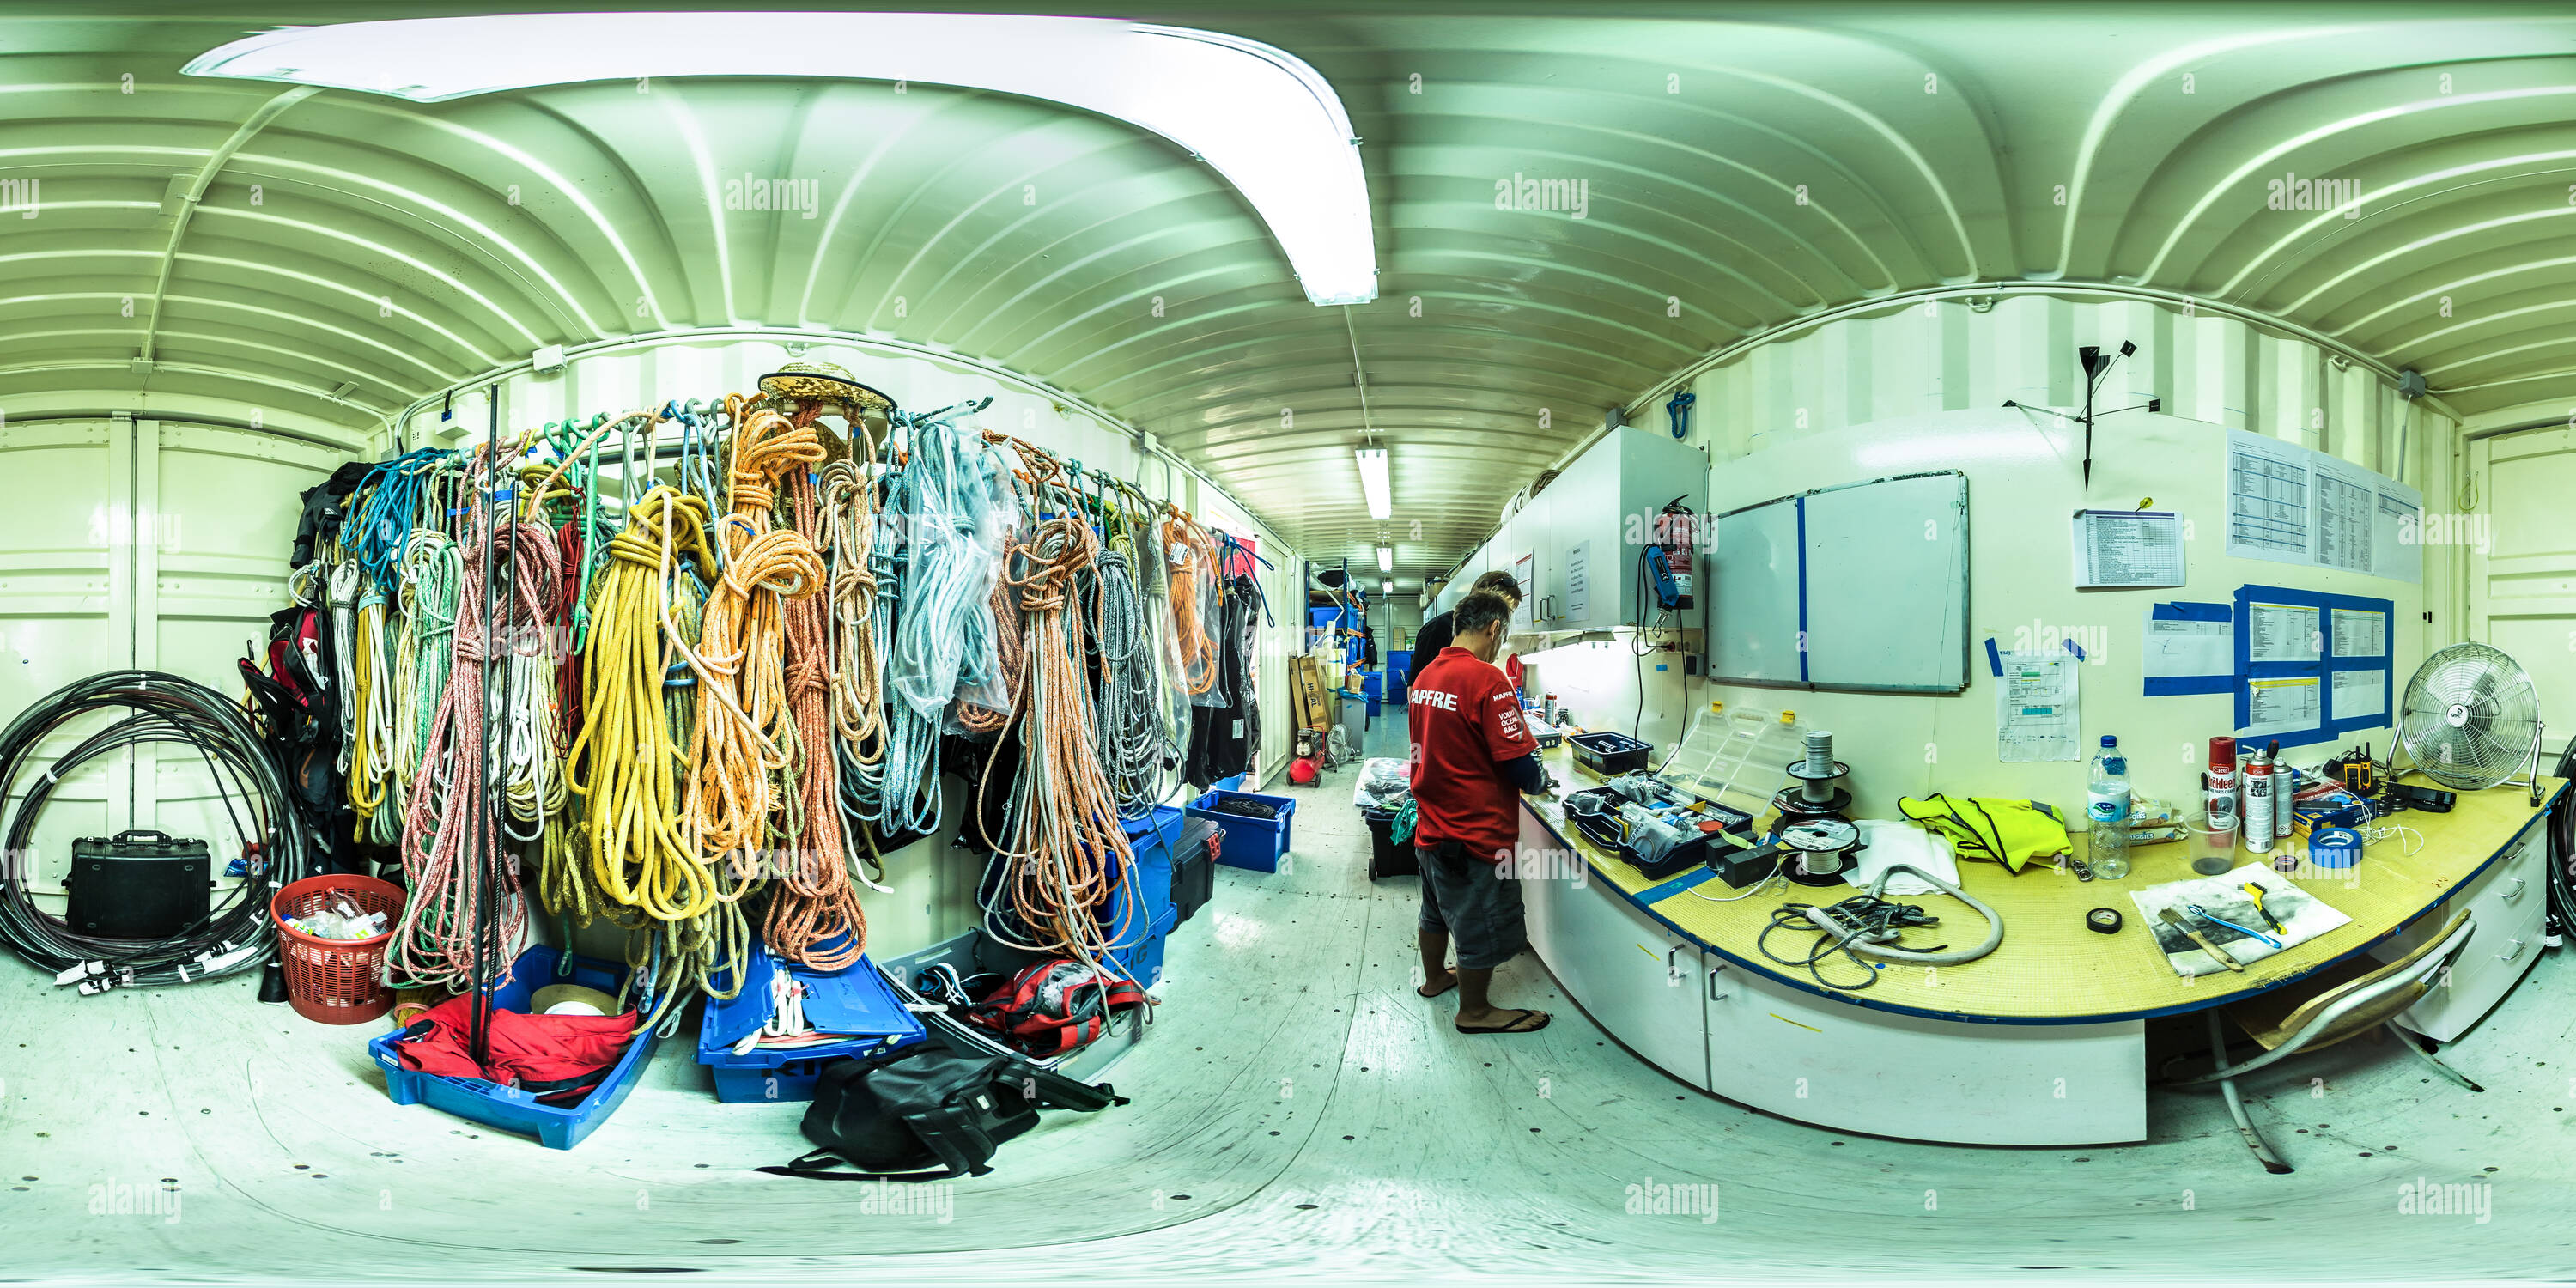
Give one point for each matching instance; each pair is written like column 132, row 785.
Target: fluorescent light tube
column 1386, row 559
column 1373, row 483
column 1386, row 588
column 1260, row 116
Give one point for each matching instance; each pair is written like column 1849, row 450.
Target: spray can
column 2258, row 803
column 2219, row 793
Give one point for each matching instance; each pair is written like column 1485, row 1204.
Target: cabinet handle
column 2516, row 893
column 2517, row 952
column 1673, row 969
column 1713, row 994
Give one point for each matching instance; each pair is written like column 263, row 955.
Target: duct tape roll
column 2102, row 921
column 2334, row 847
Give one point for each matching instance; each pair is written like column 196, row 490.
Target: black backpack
column 927, row 1113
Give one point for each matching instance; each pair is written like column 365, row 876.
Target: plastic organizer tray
column 508, row 1108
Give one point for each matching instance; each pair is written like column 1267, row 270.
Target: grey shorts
column 1474, row 904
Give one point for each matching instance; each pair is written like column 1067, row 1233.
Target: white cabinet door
column 1837, row 1065
column 1637, row 980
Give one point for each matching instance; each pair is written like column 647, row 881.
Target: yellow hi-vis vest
column 2009, row 832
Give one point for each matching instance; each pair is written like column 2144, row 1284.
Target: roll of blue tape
column 2334, row 847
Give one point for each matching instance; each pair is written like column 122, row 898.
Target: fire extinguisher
column 1677, row 533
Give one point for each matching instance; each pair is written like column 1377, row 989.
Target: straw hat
column 827, row 382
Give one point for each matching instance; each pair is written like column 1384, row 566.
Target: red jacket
column 553, row 1057
column 1465, row 718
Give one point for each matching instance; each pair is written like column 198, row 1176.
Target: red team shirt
column 1465, row 717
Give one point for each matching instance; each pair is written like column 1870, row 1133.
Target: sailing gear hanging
column 1056, row 1006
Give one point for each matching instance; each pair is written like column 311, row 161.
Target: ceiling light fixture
column 1386, row 588
column 1264, row 119
column 1373, row 482
column 1386, row 559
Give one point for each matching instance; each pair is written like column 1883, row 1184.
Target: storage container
column 508, row 1108
column 1254, row 844
column 854, row 1000
column 1608, row 754
column 1194, row 860
column 1142, row 960
column 1388, row 857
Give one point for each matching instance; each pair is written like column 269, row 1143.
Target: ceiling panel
column 1738, row 173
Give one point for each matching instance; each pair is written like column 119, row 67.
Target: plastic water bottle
column 2107, row 807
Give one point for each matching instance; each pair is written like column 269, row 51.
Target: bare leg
column 1436, row 978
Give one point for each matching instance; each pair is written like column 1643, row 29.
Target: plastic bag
column 944, row 635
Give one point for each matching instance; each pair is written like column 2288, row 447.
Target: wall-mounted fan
column 2471, row 720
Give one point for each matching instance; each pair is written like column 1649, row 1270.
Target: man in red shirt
column 1470, row 751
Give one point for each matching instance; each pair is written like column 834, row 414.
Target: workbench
column 2041, row 1042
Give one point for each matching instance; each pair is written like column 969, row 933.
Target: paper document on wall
column 2360, row 634
column 2189, row 649
column 2282, row 705
column 2293, row 504
column 2127, row 548
column 2360, row 693
column 2268, row 511
column 2281, row 633
column 2035, row 708
column 1578, row 582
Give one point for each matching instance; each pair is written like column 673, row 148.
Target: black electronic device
column 138, row 884
column 2431, row 800
column 1740, row 865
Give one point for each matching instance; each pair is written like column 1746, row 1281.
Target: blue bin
column 868, row 1008
column 1254, row 844
column 1147, row 889
column 508, row 1108
column 1142, row 961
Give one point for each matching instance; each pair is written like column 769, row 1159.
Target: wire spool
column 1812, row 792
column 1823, row 848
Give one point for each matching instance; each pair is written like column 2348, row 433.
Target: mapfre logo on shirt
column 1435, row 698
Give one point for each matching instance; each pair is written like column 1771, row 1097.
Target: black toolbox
column 137, row 884
column 1609, row 754
column 1194, row 866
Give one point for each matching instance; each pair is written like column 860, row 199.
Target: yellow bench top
column 2050, row 968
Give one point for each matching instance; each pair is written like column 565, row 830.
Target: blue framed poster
column 2311, row 665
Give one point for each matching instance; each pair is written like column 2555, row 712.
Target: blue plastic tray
column 508, row 1108
column 863, row 1005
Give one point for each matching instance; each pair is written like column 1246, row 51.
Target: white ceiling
column 1935, row 145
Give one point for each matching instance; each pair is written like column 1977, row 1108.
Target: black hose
column 161, row 709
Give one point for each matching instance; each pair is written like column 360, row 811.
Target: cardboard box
column 1314, row 700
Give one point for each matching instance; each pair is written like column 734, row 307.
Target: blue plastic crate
column 865, row 1007
column 1142, row 960
column 509, row 1108
column 1254, row 844
column 1148, row 887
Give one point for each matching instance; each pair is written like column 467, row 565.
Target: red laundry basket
column 336, row 981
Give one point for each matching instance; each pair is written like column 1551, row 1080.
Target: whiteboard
column 1878, row 585
column 1753, row 612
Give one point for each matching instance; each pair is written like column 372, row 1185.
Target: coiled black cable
column 159, row 708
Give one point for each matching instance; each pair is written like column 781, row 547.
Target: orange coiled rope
column 814, row 903
column 1189, row 616
column 744, row 726
column 1066, row 849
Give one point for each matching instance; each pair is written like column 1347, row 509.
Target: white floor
column 1297, row 1111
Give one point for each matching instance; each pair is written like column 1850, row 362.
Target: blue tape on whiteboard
column 2072, row 648
column 1994, row 660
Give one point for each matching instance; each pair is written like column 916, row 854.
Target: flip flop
column 1444, row 989
column 1520, row 1024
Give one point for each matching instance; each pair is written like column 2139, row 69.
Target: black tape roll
column 2102, row 920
